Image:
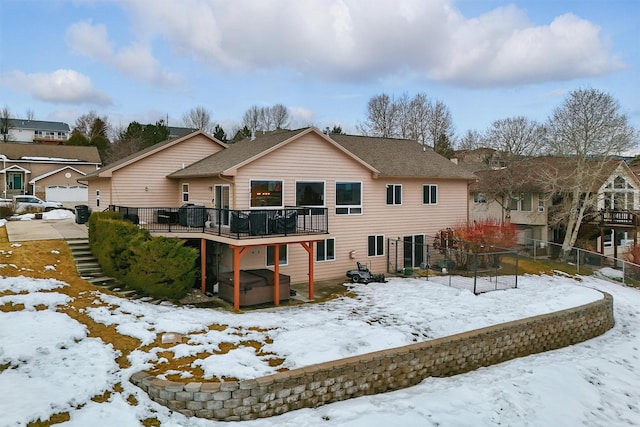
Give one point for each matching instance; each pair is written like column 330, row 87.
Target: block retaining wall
column 380, row 371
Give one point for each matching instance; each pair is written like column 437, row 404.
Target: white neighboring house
column 39, row 131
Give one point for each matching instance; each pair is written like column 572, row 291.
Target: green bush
column 158, row 266
column 116, row 240
column 94, row 238
column 163, row 267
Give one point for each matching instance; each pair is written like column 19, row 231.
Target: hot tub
column 256, row 287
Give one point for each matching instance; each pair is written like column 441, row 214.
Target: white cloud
column 135, row 60
column 60, row 86
column 89, row 40
column 355, row 40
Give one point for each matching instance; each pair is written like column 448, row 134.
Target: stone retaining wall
column 380, row 371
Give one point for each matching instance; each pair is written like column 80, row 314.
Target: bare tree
column 198, row 118
column 251, row 118
column 471, row 140
column 382, row 117
column 266, row 119
column 280, row 116
column 414, row 116
column 587, row 129
column 516, row 136
column 91, row 125
column 29, row 114
column 5, row 116
column 439, row 122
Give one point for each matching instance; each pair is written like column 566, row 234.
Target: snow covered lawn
column 51, row 365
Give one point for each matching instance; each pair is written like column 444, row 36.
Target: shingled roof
column 402, row 158
column 45, row 152
column 145, row 152
column 383, row 156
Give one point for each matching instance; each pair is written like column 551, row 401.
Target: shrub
column 163, row 267
column 483, row 237
column 159, row 266
column 114, row 244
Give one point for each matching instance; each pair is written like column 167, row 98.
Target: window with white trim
column 479, row 198
column 348, row 198
column 282, row 254
column 326, row 250
column 430, row 194
column 521, row 202
column 266, row 193
column 394, row 194
column 185, row 192
column 309, row 193
column 375, row 245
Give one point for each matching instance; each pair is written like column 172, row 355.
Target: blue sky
column 147, row 60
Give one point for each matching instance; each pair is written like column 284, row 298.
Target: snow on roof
column 50, row 159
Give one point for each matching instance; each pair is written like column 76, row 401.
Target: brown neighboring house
column 51, row 172
column 535, row 209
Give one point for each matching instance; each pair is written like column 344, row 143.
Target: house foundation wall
column 380, row 371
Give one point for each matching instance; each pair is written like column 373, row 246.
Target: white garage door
column 67, row 193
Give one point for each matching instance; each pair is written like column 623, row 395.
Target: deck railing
column 618, row 218
column 237, row 224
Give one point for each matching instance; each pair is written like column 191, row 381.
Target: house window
column 185, row 192
column 375, row 245
column 521, row 202
column 282, row 254
column 394, row 194
column 309, row 193
column 348, row 198
column 525, row 202
column 620, row 195
column 98, row 198
column 266, row 193
column 623, row 238
column 430, row 194
column 541, row 202
column 326, row 250
column 479, row 198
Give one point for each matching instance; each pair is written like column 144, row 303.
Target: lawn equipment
column 363, row 275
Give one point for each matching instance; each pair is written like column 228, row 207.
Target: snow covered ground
column 54, row 366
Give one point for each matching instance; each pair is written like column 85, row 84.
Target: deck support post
column 238, row 252
column 308, row 246
column 203, row 265
column 276, row 274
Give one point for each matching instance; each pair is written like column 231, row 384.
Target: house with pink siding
column 300, row 204
column 140, row 180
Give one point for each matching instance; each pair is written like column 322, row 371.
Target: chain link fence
column 492, row 269
column 584, row 261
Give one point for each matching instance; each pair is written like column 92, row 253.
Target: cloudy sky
column 148, row 60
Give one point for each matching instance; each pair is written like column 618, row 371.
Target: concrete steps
column 86, row 264
column 89, row 269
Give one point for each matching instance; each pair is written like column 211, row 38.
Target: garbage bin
column 82, row 214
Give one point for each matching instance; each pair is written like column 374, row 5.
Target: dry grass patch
column 62, row 417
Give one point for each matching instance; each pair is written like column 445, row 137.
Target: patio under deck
column 240, row 230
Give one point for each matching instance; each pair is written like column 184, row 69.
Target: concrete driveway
column 43, row 229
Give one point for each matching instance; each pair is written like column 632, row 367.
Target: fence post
column 517, row 256
column 475, row 272
column 578, row 260
column 535, row 244
column 624, row 264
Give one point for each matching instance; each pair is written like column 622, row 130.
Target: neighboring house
column 314, row 202
column 610, row 224
column 44, row 132
column 51, row 172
